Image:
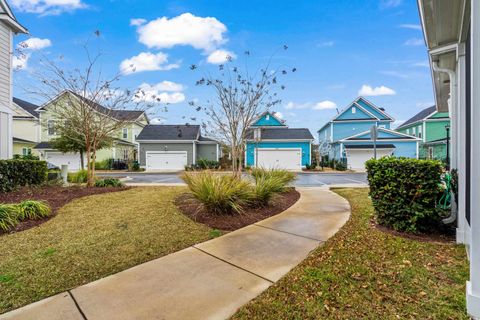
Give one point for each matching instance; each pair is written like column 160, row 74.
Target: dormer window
column 267, row 117
column 354, row 109
column 51, row 127
column 125, row 133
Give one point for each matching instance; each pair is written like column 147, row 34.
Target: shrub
column 133, row 165
column 80, row 176
column 108, row 182
column 30, row 209
column 219, row 193
column 25, row 157
column 17, row 173
column 282, row 176
column 404, row 192
column 8, row 216
column 208, row 164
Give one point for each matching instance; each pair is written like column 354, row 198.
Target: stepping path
column 210, row 280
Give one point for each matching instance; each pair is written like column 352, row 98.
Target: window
column 267, row 117
column 125, row 133
column 26, row 151
column 408, row 131
column 414, row 132
column 354, row 110
column 430, row 153
column 420, row 131
column 125, row 154
column 51, row 127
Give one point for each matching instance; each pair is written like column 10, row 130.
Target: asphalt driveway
column 303, row 179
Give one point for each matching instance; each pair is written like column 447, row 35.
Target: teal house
column 431, row 127
column 271, row 143
column 347, row 136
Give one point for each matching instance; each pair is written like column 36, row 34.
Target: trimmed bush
column 18, row 173
column 108, row 182
column 8, row 216
column 404, row 193
column 31, row 209
column 221, row 194
column 80, row 176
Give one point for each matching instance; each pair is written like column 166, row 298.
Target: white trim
column 412, row 138
column 194, row 151
column 310, row 162
column 443, row 49
column 273, row 115
column 375, row 107
column 164, row 152
column 354, row 104
column 391, row 149
column 417, row 150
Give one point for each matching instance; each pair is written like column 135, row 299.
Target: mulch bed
column 55, row 196
column 229, row 222
column 440, row 238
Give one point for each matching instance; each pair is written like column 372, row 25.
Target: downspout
column 451, row 75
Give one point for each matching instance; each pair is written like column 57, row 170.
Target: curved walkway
column 210, row 280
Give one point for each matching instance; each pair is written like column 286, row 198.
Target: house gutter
column 451, row 74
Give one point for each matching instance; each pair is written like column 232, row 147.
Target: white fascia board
column 375, row 107
column 366, row 111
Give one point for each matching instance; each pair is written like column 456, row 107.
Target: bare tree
column 240, row 97
column 87, row 106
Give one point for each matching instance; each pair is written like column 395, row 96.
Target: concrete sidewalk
column 210, row 280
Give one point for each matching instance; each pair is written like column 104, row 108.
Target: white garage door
column 166, row 160
column 290, row 159
column 58, row 159
column 356, row 158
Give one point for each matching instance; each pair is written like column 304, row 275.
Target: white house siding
column 6, row 146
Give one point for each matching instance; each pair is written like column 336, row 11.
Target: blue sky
column 338, row 48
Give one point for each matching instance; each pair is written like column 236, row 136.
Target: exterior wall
column 104, row 154
column 342, row 130
column 207, row 151
column 18, row 148
column 270, row 122
column 28, row 129
column 6, row 144
column 305, row 146
column 439, row 151
column 325, row 134
column 402, row 148
column 359, row 114
column 165, row 147
column 370, row 109
column 436, row 130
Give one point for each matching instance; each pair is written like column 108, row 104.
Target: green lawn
column 90, row 238
column 363, row 273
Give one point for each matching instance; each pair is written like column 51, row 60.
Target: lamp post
column 447, row 160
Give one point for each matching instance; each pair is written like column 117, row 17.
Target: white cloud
column 34, row 44
column 186, row 29
column 137, row 22
column 410, row 26
column 326, row 44
column 20, row 62
column 423, row 105
column 390, row 3
column 163, row 92
column 424, row 64
column 367, row 90
column 220, row 56
column 47, row 7
column 147, row 61
column 414, row 42
column 278, row 114
column 324, row 105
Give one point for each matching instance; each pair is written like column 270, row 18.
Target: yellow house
column 124, row 146
column 26, row 127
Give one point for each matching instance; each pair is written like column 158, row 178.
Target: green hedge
column 17, row 173
column 404, row 193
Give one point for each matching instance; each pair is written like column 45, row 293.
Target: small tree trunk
column 82, row 164
column 89, row 167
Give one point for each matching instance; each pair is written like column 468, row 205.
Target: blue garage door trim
column 305, row 146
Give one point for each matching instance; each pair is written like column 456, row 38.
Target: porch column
column 460, row 144
column 473, row 286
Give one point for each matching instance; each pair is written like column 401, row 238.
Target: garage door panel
column 290, row 159
column 356, row 158
column 166, row 160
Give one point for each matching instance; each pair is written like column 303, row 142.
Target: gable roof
column 9, row 18
column 387, row 135
column 281, row 123
column 122, row 115
column 170, row 132
column 380, row 111
column 282, row 134
column 425, row 113
column 27, row 106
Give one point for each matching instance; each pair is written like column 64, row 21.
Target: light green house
column 430, row 126
column 124, row 146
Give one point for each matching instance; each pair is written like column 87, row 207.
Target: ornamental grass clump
column 8, row 216
column 220, row 194
column 31, row 209
column 281, row 177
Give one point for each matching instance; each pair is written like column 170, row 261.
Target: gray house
column 172, row 147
